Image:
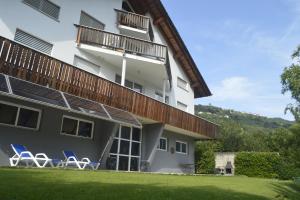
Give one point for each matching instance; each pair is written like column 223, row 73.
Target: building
column 224, row 163
column 108, row 79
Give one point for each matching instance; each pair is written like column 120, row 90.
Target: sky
column 241, row 48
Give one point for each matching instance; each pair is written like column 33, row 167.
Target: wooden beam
column 158, row 20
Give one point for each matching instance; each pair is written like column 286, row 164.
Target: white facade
column 62, row 33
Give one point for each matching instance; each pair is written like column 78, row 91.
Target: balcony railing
column 27, row 64
column 92, row 36
column 133, row 20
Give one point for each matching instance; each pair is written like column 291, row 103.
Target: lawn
column 73, row 184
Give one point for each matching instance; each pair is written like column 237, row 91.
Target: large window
column 45, row 6
column 33, row 42
column 182, row 83
column 181, row 147
column 163, row 144
column 88, row 20
column 130, row 84
column 125, row 151
column 19, row 116
column 77, row 127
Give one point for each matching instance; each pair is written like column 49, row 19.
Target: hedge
column 258, row 164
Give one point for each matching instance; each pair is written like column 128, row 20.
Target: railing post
column 79, row 35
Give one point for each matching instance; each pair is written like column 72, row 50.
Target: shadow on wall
column 22, row 184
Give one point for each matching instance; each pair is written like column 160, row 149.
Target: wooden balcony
column 25, row 63
column 117, row 42
column 133, row 20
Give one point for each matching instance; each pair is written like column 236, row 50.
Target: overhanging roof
column 181, row 53
column 43, row 95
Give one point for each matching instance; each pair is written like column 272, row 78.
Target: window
column 182, row 83
column 127, row 7
column 33, row 42
column 77, row 127
column 86, row 65
column 181, row 147
column 159, row 97
column 130, row 84
column 44, row 6
column 19, row 116
column 88, row 20
column 163, row 144
column 181, row 106
column 125, row 152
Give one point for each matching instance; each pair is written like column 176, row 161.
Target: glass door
column 125, row 152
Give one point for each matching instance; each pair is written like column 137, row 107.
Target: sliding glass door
column 125, row 152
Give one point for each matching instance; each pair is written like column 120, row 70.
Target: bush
column 206, row 165
column 258, row 164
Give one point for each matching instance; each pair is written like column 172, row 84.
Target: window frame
column 159, row 147
column 92, row 17
column 181, row 142
column 77, row 129
column 183, row 104
column 133, row 84
column 186, row 84
column 119, row 139
column 39, row 10
column 19, row 107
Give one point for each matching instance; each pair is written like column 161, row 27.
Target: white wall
column 62, row 34
column 177, row 94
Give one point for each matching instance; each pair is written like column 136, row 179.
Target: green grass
column 57, row 184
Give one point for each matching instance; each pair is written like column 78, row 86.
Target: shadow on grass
column 287, row 191
column 38, row 184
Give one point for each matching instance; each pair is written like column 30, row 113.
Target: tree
column 290, row 80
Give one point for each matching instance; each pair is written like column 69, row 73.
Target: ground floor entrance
column 125, row 152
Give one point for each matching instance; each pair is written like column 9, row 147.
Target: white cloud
column 233, row 88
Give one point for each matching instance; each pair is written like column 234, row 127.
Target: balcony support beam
column 123, row 78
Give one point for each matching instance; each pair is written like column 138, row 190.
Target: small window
column 181, row 106
column 159, row 97
column 88, row 20
column 181, row 147
column 86, row 65
column 19, row 116
column 33, row 42
column 77, row 127
column 163, row 144
column 182, row 83
column 45, row 6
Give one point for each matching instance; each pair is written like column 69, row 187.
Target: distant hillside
column 246, row 120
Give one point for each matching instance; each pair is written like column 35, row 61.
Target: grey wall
column 172, row 162
column 151, row 135
column 48, row 138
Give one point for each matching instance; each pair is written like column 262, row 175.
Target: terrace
column 25, row 63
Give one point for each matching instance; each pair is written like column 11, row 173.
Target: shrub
column 258, row 164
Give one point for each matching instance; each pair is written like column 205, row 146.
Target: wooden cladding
column 96, row 37
column 27, row 64
column 133, row 20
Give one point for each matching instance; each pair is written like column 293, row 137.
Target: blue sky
column 241, row 48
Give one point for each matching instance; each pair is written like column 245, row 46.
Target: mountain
column 246, row 120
